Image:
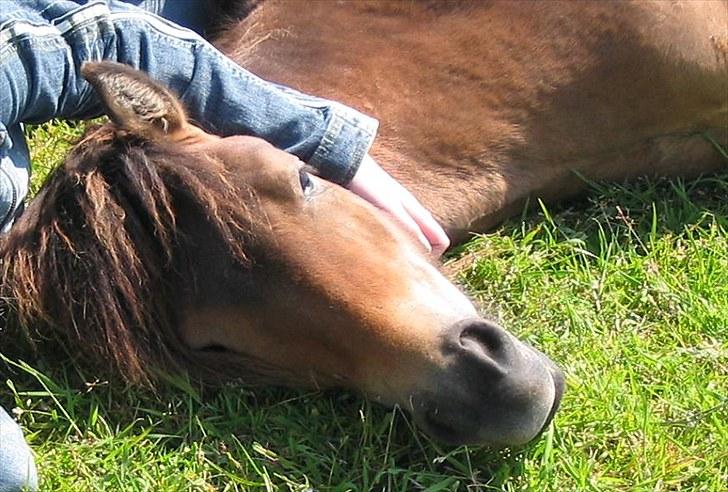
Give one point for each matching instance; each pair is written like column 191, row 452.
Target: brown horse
column 484, row 104
column 158, row 245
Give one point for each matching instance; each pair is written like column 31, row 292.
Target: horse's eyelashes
column 306, row 181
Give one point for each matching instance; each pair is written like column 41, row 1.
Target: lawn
column 626, row 289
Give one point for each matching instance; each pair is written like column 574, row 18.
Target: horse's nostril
column 485, row 339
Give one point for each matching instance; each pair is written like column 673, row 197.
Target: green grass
column 627, row 290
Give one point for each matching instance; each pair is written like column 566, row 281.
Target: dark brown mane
column 99, row 248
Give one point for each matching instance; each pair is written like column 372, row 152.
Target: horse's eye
column 306, row 181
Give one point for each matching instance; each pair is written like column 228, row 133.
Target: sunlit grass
column 627, row 290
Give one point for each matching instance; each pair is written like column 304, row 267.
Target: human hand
column 375, row 185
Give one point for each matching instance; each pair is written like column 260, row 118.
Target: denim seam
column 11, row 44
column 342, row 118
column 167, row 38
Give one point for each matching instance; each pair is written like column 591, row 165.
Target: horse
column 487, row 105
column 159, row 246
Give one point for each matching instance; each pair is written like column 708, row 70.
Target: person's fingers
column 396, row 210
column 400, row 214
column 375, row 185
column 429, row 227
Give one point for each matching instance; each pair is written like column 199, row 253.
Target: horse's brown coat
column 484, row 104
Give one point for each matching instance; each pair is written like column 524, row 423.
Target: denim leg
column 14, row 175
column 17, row 466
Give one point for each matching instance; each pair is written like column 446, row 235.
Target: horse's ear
column 133, row 101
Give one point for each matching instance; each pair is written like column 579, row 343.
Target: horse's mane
column 93, row 257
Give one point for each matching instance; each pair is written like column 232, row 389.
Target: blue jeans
column 42, row 46
column 44, row 42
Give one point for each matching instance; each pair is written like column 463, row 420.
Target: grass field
column 627, row 290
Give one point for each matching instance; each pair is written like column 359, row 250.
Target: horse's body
column 484, row 104
column 160, row 244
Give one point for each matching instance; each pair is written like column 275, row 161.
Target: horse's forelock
column 91, row 259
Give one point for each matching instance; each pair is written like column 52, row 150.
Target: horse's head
column 336, row 294
column 296, row 280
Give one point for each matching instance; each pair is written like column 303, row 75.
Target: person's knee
column 17, row 466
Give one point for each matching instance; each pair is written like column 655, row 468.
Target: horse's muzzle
column 495, row 389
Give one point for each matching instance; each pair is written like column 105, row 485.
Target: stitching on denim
column 347, row 127
column 331, row 134
column 73, row 23
column 77, row 17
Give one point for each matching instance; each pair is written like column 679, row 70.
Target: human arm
column 43, row 44
column 43, row 49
